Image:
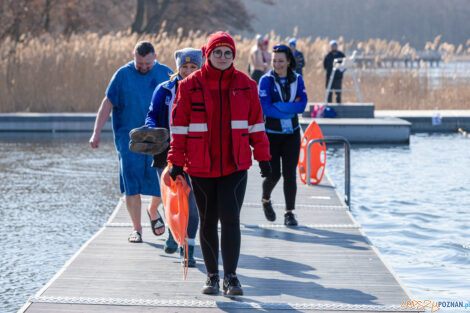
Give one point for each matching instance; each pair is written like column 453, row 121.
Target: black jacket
column 328, row 64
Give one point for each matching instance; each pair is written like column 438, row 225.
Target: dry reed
column 58, row 74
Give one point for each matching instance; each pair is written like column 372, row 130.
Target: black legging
column 335, row 85
column 220, row 198
column 285, row 147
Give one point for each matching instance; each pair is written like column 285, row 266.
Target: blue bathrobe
column 130, row 92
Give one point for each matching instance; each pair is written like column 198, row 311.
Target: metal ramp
column 327, row 264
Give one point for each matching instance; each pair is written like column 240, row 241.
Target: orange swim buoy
column 175, row 204
column 317, row 156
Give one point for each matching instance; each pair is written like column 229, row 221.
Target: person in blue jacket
column 187, row 61
column 282, row 96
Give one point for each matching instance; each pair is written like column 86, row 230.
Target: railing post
column 347, row 173
column 347, row 163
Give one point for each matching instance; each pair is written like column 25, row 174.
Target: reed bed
column 59, row 74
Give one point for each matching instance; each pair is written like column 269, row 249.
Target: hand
column 297, row 99
column 159, row 160
column 94, row 140
column 265, row 167
column 175, row 171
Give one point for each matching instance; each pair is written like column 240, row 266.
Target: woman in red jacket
column 217, row 116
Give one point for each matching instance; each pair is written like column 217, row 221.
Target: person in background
column 299, row 57
column 328, row 66
column 283, row 97
column 257, row 62
column 128, row 96
column 216, row 118
column 187, row 61
column 266, row 55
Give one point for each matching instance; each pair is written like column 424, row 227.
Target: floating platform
column 355, row 122
column 326, row 264
column 431, row 121
column 50, row 122
column 345, row 110
column 364, row 130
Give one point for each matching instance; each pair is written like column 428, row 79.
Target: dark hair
column 143, row 48
column 289, row 55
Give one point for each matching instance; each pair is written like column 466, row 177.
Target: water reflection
column 55, row 193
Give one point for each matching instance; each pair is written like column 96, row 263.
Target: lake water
column 414, row 204
column 55, row 194
column 412, row 201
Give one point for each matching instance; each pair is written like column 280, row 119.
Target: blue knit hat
column 292, row 42
column 333, row 42
column 188, row 55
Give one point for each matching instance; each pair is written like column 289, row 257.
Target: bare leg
column 153, row 206
column 153, row 211
column 134, row 207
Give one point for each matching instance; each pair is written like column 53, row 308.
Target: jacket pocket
column 197, row 152
column 241, row 98
column 244, row 150
column 197, row 96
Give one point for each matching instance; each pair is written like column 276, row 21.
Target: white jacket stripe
column 198, row 127
column 179, row 130
column 239, row 124
column 256, row 128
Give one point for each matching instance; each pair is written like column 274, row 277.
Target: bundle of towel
column 149, row 140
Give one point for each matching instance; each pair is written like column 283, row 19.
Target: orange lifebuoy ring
column 317, row 156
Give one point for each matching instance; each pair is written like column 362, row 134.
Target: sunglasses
column 280, row 48
column 218, row 54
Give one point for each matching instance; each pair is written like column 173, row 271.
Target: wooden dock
column 326, row 264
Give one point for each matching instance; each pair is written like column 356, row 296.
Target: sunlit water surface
column 55, row 194
column 414, row 204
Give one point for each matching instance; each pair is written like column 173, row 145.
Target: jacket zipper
column 220, row 123
column 231, row 131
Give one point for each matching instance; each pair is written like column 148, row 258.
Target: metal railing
column 347, row 163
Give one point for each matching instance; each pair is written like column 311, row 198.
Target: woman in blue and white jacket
column 187, row 60
column 282, row 96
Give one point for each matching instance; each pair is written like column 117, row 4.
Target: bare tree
column 205, row 15
column 36, row 17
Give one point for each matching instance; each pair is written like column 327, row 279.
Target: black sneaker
column 289, row 219
column 212, row 285
column 232, row 285
column 268, row 211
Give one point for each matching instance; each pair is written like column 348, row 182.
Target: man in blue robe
column 128, row 96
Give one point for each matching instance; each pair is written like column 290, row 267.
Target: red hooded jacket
column 217, row 116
